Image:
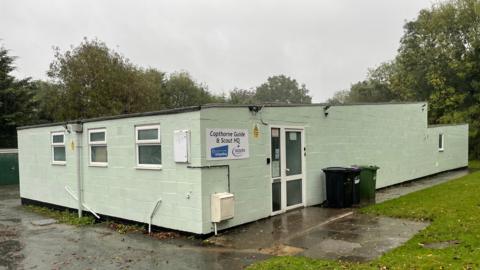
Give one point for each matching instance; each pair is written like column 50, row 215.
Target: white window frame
column 442, row 137
column 53, row 145
column 138, row 143
column 97, row 143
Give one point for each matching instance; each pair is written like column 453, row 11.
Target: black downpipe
column 215, row 166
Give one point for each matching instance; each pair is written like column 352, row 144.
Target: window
column 58, row 148
column 97, row 139
column 149, row 148
column 441, row 142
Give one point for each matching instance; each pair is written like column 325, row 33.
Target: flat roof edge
column 153, row 113
column 8, row 150
column 225, row 105
column 206, row 106
column 447, row 125
column 44, row 125
column 113, row 117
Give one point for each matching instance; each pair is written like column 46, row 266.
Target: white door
column 287, row 168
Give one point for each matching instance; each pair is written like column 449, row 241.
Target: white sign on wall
column 225, row 143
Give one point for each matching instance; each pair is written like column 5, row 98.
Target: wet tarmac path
column 60, row 246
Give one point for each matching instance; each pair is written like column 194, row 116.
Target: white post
column 154, row 210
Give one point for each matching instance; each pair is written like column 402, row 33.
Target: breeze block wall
column 120, row 189
column 249, row 178
column 395, row 137
column 41, row 180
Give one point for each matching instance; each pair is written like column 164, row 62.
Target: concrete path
column 339, row 234
column 426, row 182
column 315, row 232
column 356, row 237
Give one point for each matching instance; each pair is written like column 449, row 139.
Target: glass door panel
column 293, row 167
column 276, row 196
column 294, row 192
column 293, row 152
column 276, row 170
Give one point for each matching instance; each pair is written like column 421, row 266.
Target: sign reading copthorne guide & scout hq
column 225, row 143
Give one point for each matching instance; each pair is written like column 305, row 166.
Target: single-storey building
column 194, row 168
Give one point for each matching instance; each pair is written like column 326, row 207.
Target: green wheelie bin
column 368, row 182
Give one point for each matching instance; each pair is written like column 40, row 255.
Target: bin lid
column 335, row 169
column 369, row 167
column 354, row 169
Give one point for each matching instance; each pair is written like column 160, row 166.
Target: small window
column 58, row 148
column 441, row 142
column 149, row 148
column 97, row 140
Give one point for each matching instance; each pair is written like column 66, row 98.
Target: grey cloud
column 224, row 43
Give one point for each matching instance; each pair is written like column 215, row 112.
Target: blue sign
column 219, row 151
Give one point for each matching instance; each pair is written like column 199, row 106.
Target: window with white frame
column 441, row 142
column 149, row 147
column 58, row 148
column 97, row 140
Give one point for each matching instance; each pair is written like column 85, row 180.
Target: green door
column 8, row 168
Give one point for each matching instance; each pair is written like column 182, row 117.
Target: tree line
column 438, row 61
column 92, row 80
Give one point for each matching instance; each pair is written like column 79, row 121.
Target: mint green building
column 162, row 168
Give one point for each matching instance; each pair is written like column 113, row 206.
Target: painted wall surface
column 394, row 137
column 119, row 190
column 39, row 178
column 249, row 178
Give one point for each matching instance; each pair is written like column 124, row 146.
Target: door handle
column 287, row 169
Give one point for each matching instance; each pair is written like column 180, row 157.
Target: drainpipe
column 78, row 128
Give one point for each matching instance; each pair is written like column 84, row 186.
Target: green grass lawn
column 454, row 210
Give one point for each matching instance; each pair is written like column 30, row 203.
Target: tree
column 95, row 81
column 182, row 91
column 438, row 61
column 240, row 96
column 16, row 101
column 48, row 99
column 377, row 87
column 340, row 97
column 282, row 89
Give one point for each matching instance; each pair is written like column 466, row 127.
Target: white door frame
column 283, row 174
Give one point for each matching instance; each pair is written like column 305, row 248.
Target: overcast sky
column 224, row 43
